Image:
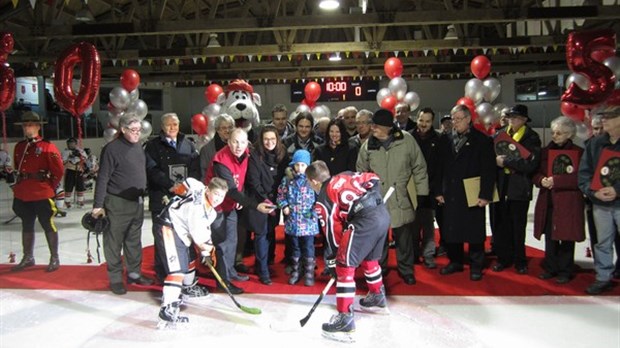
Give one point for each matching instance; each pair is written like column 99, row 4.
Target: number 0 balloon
column 86, row 55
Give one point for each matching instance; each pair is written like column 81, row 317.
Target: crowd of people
column 336, row 178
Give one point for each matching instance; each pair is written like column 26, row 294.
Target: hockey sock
column 345, row 288
column 372, row 274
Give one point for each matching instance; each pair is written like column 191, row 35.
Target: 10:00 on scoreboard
column 339, row 91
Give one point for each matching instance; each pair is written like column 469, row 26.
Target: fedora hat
column 30, row 116
column 518, row 110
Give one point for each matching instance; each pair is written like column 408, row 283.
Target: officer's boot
column 294, row 277
column 52, row 242
column 28, row 259
column 309, row 265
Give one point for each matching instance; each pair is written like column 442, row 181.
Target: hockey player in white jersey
column 186, row 224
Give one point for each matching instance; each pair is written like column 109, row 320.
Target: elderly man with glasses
column 119, row 192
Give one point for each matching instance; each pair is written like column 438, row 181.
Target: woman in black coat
column 266, row 167
column 336, row 152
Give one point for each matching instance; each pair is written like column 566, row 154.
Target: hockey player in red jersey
column 355, row 223
column 186, row 223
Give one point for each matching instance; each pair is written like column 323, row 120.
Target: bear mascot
column 240, row 102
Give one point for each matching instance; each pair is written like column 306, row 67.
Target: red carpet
column 429, row 282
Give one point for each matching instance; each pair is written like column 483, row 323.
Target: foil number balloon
column 86, row 54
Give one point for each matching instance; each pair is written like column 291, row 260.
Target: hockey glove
column 330, row 267
column 209, row 257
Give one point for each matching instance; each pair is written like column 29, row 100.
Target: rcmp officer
column 39, row 170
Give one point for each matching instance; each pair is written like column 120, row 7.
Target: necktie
column 173, row 143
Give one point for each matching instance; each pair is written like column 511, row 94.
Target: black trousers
column 509, row 234
column 456, row 254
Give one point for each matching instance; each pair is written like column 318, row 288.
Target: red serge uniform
column 355, row 222
column 39, row 169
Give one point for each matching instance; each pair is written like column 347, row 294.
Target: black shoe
column 142, row 280
column 475, row 276
column 240, row 278
column 430, row 264
column 451, row 268
column 409, row 279
column 546, row 275
column 241, row 268
column 563, row 279
column 118, row 288
column 498, row 267
column 265, row 280
column 232, row 288
column 521, row 269
column 27, row 261
column 598, row 287
column 54, row 264
column 61, row 213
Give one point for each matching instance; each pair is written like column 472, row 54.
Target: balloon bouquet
column 594, row 81
column 396, row 91
column 480, row 92
column 126, row 99
column 312, row 93
column 201, row 121
column 7, row 80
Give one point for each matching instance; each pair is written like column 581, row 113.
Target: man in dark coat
column 464, row 153
column 514, row 178
column 170, row 159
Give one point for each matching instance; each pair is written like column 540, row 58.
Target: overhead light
column 335, row 57
column 84, row 14
column 213, row 41
column 329, row 4
column 451, row 34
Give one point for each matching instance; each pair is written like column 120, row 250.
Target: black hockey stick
column 318, row 300
column 248, row 310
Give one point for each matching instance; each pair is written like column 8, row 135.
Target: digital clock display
column 339, row 91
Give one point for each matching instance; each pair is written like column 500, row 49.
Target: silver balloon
column 474, row 90
column 485, row 110
column 412, row 99
column 492, row 89
column 139, row 108
column 319, row 112
column 119, row 97
column 109, row 134
column 146, row 131
column 115, row 111
column 302, row 108
column 398, row 87
column 134, row 95
column 210, row 130
column 580, row 80
column 613, row 63
column 114, row 121
column 497, row 109
column 212, row 109
column 383, row 92
column 582, row 131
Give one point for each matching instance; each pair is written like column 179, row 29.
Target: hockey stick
column 318, row 300
column 248, row 310
column 333, row 279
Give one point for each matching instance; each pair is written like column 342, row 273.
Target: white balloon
column 474, row 90
column 613, row 63
column 383, row 92
column 139, row 108
column 412, row 99
column 114, row 111
column 485, row 110
column 212, row 109
column 497, row 109
column 109, row 134
column 302, row 108
column 119, row 97
column 492, row 89
column 134, row 95
column 146, row 130
column 210, row 130
column 398, row 87
column 582, row 131
column 114, row 121
column 319, row 112
column 580, row 80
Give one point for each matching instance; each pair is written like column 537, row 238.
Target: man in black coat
column 514, row 178
column 464, row 153
column 170, row 159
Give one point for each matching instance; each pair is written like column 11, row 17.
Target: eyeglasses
column 134, row 130
column 458, row 119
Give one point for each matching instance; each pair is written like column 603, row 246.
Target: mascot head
column 240, row 102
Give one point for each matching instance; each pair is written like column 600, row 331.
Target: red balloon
column 312, row 92
column 471, row 106
column 389, row 102
column 200, row 124
column 393, row 67
column 573, row 111
column 480, row 66
column 212, row 92
column 86, row 55
column 7, row 87
column 580, row 47
column 130, row 80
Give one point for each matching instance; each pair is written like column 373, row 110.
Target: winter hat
column 302, row 156
column 383, row 117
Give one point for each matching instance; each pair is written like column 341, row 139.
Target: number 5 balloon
column 86, row 55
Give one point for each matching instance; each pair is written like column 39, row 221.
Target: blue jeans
column 607, row 220
column 302, row 246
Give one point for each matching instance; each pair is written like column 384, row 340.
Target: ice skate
column 169, row 317
column 193, row 291
column 340, row 328
column 375, row 303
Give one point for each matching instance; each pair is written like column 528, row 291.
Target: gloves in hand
column 330, row 266
column 208, row 257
